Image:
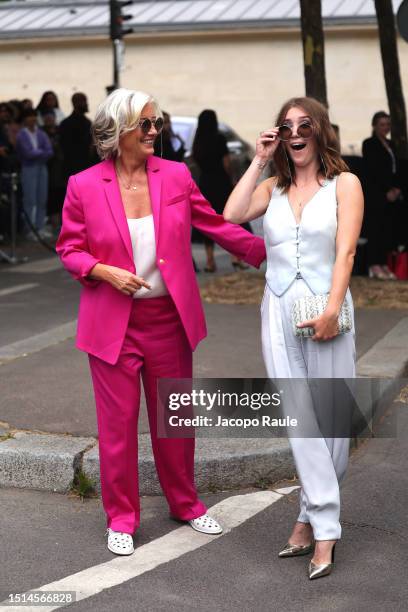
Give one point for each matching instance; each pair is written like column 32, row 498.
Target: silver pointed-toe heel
column 323, row 569
column 296, row 550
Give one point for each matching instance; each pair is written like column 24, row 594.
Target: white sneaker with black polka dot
column 206, row 524
column 120, row 543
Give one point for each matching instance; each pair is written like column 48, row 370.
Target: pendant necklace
column 127, row 186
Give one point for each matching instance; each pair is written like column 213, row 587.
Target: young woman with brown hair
column 313, row 212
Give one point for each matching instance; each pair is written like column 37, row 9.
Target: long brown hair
column 326, row 140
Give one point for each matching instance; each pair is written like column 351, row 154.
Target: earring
column 287, row 159
column 325, row 169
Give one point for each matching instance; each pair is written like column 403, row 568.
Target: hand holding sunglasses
column 266, row 145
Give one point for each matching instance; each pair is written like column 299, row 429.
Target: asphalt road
column 47, row 537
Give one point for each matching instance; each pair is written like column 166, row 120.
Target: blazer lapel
column 115, row 202
column 155, row 182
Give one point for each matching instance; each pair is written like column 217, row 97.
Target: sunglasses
column 304, row 130
column 146, row 125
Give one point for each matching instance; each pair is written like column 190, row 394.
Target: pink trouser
column 155, row 346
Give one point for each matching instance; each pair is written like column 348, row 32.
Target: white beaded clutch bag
column 312, row 306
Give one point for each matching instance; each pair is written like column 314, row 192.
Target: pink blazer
column 94, row 229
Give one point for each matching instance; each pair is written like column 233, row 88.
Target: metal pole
column 116, row 44
column 13, row 202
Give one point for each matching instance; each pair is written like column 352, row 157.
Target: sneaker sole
column 122, row 554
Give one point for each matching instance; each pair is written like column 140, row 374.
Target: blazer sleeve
column 72, row 244
column 229, row 236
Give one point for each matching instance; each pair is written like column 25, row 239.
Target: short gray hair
column 118, row 114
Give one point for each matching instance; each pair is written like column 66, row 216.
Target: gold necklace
column 128, row 185
column 300, row 204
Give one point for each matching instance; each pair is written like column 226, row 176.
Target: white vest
column 306, row 250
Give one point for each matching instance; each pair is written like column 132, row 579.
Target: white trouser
column 320, row 462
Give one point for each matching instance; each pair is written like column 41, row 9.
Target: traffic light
column 117, row 18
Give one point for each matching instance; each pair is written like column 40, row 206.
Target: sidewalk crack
column 376, row 528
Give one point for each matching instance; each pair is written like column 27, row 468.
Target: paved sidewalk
column 48, row 391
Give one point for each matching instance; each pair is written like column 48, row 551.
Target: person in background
column 8, row 164
column 34, row 149
column 8, row 159
column 76, row 138
column 56, row 179
column 170, row 145
column 49, row 103
column 6, row 114
column 9, row 113
column 382, row 194
column 5, row 150
column 26, row 104
column 211, row 154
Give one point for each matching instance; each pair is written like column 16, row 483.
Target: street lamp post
column 117, row 32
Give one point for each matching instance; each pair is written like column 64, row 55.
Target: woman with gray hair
column 126, row 237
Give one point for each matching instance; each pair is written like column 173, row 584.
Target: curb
column 49, row 462
column 219, row 463
column 388, row 358
column 41, row 461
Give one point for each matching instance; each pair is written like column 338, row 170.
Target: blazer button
column 161, row 261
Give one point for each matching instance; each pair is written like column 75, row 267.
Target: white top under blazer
column 144, row 254
column 301, row 250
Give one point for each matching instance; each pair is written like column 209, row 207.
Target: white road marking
column 39, row 266
column 231, row 512
column 22, row 348
column 18, row 288
column 286, row 490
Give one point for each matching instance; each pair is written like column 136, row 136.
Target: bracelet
column 261, row 165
